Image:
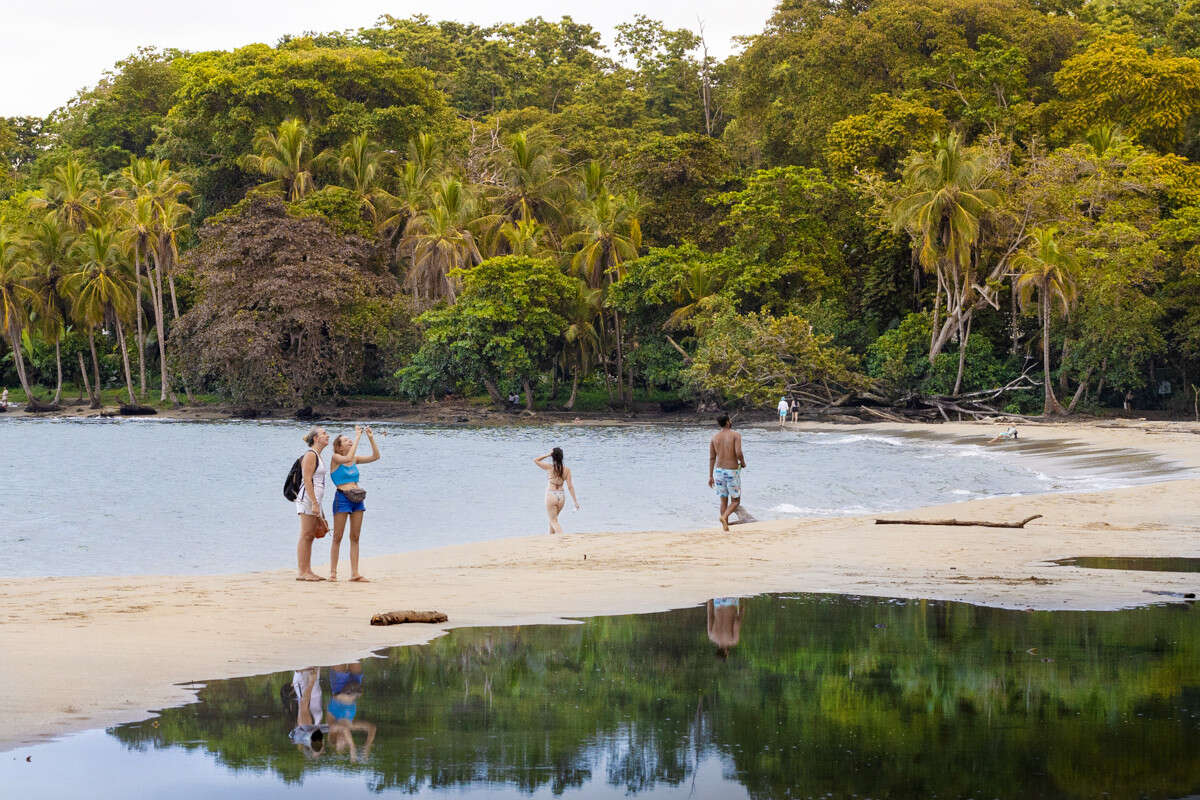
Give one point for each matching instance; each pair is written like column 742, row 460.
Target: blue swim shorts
column 727, row 482
column 342, row 504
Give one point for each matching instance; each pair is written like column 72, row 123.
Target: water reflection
column 822, row 696
column 333, row 725
column 1164, row 564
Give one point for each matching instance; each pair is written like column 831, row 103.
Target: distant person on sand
column 349, row 499
column 556, row 498
column 725, row 460
column 1007, row 435
column 725, row 617
column 795, row 410
column 308, row 502
column 783, row 410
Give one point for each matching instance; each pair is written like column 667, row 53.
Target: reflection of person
column 783, row 410
column 557, row 476
column 346, row 686
column 308, row 502
column 725, row 617
column 1007, row 435
column 724, row 460
column 345, row 476
column 309, row 733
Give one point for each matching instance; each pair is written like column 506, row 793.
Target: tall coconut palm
column 138, row 219
column 581, row 338
column 286, row 156
column 1044, row 270
column 360, row 166
column 102, row 289
column 944, row 200
column 50, row 245
column 73, row 191
column 530, row 183
column 16, row 297
column 440, row 240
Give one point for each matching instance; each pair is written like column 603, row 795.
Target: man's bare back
column 725, row 450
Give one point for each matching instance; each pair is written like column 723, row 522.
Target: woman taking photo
column 308, row 502
column 558, row 476
column 349, row 500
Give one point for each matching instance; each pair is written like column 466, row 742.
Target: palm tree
column 1102, row 137
column 139, row 226
column 530, row 184
column 102, row 289
column 608, row 235
column 50, row 256
column 524, row 237
column 941, row 209
column 1046, row 270
column 286, row 156
column 439, row 240
column 581, row 337
column 16, row 297
column 73, row 192
column 696, row 284
column 360, row 165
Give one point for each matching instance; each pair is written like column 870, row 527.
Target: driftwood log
column 397, row 617
column 970, row 523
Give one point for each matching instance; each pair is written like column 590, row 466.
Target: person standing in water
column 348, row 501
column 725, row 460
column 559, row 475
column 308, row 502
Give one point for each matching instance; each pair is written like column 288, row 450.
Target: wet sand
column 81, row 653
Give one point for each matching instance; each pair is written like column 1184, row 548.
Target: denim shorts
column 342, row 504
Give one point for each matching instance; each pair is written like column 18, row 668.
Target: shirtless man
column 724, row 460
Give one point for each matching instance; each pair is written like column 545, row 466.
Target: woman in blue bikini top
column 348, row 502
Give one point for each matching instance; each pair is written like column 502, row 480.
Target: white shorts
column 304, row 504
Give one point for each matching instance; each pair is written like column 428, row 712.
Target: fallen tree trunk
column 398, row 617
column 964, row 522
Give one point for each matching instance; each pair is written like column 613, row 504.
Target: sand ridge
column 81, row 653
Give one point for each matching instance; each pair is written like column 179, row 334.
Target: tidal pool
column 774, row 696
column 1150, row 564
column 145, row 496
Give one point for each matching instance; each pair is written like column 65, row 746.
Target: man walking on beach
column 725, row 459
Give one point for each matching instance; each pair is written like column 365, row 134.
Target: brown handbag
column 322, row 528
column 354, row 495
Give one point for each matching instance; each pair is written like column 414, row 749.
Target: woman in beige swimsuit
column 558, row 476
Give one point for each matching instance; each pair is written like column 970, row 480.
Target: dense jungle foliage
column 896, row 198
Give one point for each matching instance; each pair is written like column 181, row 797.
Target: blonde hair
column 312, row 435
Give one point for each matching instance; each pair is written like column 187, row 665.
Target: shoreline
column 71, row 644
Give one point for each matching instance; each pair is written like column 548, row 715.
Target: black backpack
column 295, row 478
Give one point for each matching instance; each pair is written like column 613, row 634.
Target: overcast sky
column 55, row 47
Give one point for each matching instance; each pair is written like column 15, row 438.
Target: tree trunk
column 528, row 394
column 96, row 399
column 620, row 357
column 1050, row 402
column 159, row 312
column 141, row 336
column 963, row 338
column 574, row 390
column 1079, row 392
column 125, row 361
column 14, row 336
column 58, row 367
column 493, row 392
column 86, row 384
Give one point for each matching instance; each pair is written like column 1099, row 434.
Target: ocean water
column 771, row 697
column 147, row 496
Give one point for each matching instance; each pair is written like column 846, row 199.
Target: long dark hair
column 556, row 457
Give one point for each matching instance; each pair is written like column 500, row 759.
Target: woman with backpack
column 308, row 502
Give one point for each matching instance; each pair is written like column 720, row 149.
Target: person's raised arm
column 571, row 487
column 338, row 460
column 539, row 461
column 374, row 448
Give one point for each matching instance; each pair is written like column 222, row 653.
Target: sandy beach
column 80, row 653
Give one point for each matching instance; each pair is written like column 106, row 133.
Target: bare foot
column 359, row 579
column 725, row 523
column 310, row 577
column 333, row 576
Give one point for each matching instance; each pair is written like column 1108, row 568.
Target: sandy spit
column 80, row 653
